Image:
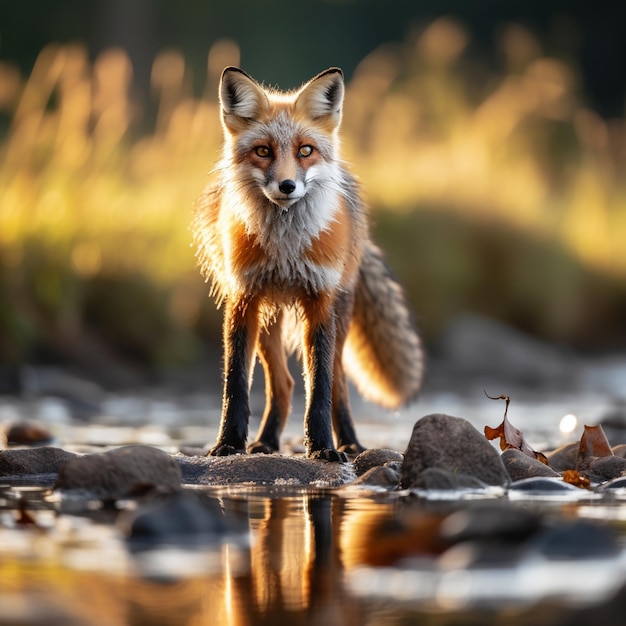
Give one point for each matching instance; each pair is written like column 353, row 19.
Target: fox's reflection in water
column 294, row 565
column 295, row 560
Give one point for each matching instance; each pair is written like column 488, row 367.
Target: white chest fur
column 286, row 237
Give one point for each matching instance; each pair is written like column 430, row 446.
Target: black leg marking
column 235, row 407
column 317, row 420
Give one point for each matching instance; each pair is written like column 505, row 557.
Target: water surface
column 300, row 556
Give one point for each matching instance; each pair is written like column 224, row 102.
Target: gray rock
column 520, row 465
column 600, row 469
column 615, row 483
column 120, row 473
column 538, row 485
column 396, row 466
column 454, row 445
column 28, row 433
column 564, row 458
column 379, row 476
column 375, row 457
column 263, row 469
column 22, row 463
column 440, row 479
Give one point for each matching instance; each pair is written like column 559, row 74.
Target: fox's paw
column 225, row 450
column 328, row 454
column 260, row 447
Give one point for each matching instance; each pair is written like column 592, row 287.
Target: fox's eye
column 305, row 151
column 262, row 151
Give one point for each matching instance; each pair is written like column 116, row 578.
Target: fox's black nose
column 287, row 186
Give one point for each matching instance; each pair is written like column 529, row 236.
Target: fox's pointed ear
column 321, row 99
column 241, row 97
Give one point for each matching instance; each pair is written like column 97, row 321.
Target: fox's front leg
column 319, row 352
column 278, row 388
column 241, row 329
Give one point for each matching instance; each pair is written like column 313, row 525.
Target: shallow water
column 309, row 557
column 315, row 557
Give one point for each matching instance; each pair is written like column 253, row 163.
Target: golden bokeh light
column 521, row 148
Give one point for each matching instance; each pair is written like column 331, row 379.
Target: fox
column 282, row 236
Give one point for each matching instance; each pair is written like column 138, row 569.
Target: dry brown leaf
column 510, row 436
column 593, row 443
column 573, row 477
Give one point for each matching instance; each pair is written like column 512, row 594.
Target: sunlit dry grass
column 424, row 127
column 74, row 173
column 428, row 128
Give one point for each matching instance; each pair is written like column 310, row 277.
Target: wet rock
column 31, row 462
column 28, row 433
column 439, row 479
column 396, row 466
column 538, row 485
column 600, row 469
column 263, row 469
column 120, row 473
column 379, row 476
column 564, row 458
column 375, row 457
column 577, row 540
column 520, row 465
column 454, row 445
column 615, row 483
column 180, row 518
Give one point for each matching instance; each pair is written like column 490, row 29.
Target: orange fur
column 333, row 246
column 244, row 247
column 284, row 227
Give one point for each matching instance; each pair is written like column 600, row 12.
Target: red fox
column 284, row 230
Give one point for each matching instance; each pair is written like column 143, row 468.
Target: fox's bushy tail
column 383, row 352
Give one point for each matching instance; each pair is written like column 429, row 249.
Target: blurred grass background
column 496, row 183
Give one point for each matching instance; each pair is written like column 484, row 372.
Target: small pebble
column 379, row 476
column 27, row 433
column 375, row 457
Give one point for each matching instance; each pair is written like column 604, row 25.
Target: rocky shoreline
column 444, row 453
column 450, row 504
